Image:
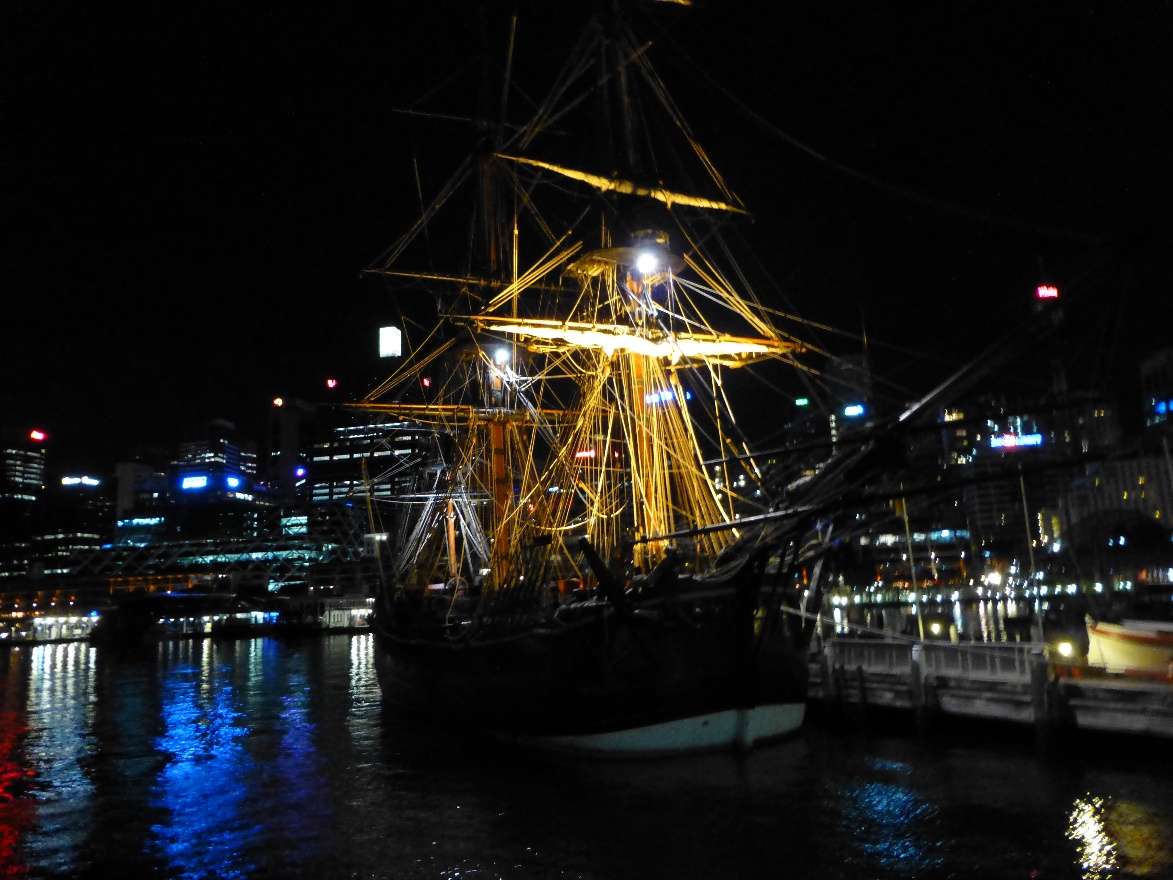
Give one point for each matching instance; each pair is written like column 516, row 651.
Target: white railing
column 991, row 660
column 874, row 655
column 988, row 660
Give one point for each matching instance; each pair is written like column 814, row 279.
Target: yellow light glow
column 1096, row 850
column 613, row 337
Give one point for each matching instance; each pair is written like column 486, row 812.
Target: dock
column 1009, row 681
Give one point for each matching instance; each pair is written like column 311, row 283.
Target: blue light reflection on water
column 201, row 791
column 886, row 821
column 259, row 758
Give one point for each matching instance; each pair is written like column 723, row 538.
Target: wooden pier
column 998, row 681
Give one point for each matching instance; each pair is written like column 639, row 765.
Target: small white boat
column 1131, row 645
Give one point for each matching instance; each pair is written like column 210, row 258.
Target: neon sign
column 1014, row 441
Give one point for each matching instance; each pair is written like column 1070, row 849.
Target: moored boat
column 1131, row 645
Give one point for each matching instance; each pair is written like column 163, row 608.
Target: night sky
column 190, row 194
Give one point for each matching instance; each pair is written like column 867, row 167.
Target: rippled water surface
column 261, row 758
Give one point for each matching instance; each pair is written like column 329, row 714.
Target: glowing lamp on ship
column 647, row 262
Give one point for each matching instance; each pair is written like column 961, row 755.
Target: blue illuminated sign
column 1014, row 441
column 196, row 482
column 233, row 482
column 856, row 409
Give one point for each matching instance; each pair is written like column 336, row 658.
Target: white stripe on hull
column 731, row 729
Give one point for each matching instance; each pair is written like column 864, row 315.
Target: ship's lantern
column 647, row 262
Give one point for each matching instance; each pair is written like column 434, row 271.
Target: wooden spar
column 502, row 492
column 627, row 187
column 453, row 567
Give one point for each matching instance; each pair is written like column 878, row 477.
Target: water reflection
column 1116, row 837
column 888, row 822
column 200, row 791
column 60, row 700
column 263, row 758
column 1096, row 851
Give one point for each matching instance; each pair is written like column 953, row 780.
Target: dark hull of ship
column 697, row 671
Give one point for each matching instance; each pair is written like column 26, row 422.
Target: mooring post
column 828, row 683
column 1039, row 702
column 917, row 688
column 863, row 697
column 840, row 692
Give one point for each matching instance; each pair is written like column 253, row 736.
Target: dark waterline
column 262, row 758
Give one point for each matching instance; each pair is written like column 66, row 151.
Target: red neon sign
column 1047, row 291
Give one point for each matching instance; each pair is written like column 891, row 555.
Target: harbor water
column 276, row 758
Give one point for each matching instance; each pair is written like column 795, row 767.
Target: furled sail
column 611, row 338
column 627, row 187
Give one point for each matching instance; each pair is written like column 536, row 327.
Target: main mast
column 567, row 386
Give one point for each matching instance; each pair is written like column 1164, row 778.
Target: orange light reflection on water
column 1115, row 837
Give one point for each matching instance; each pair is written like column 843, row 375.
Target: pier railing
column 996, row 660
column 1010, row 681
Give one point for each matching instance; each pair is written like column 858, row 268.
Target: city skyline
column 196, row 194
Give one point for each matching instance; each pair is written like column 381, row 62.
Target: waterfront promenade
column 851, row 678
column 1008, row 681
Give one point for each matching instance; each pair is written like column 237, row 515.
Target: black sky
column 190, row 193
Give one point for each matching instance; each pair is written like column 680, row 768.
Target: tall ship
column 584, row 552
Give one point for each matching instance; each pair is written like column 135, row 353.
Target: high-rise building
column 380, row 459
column 212, row 464
column 1156, row 381
column 22, row 487
column 293, row 426
column 22, row 465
